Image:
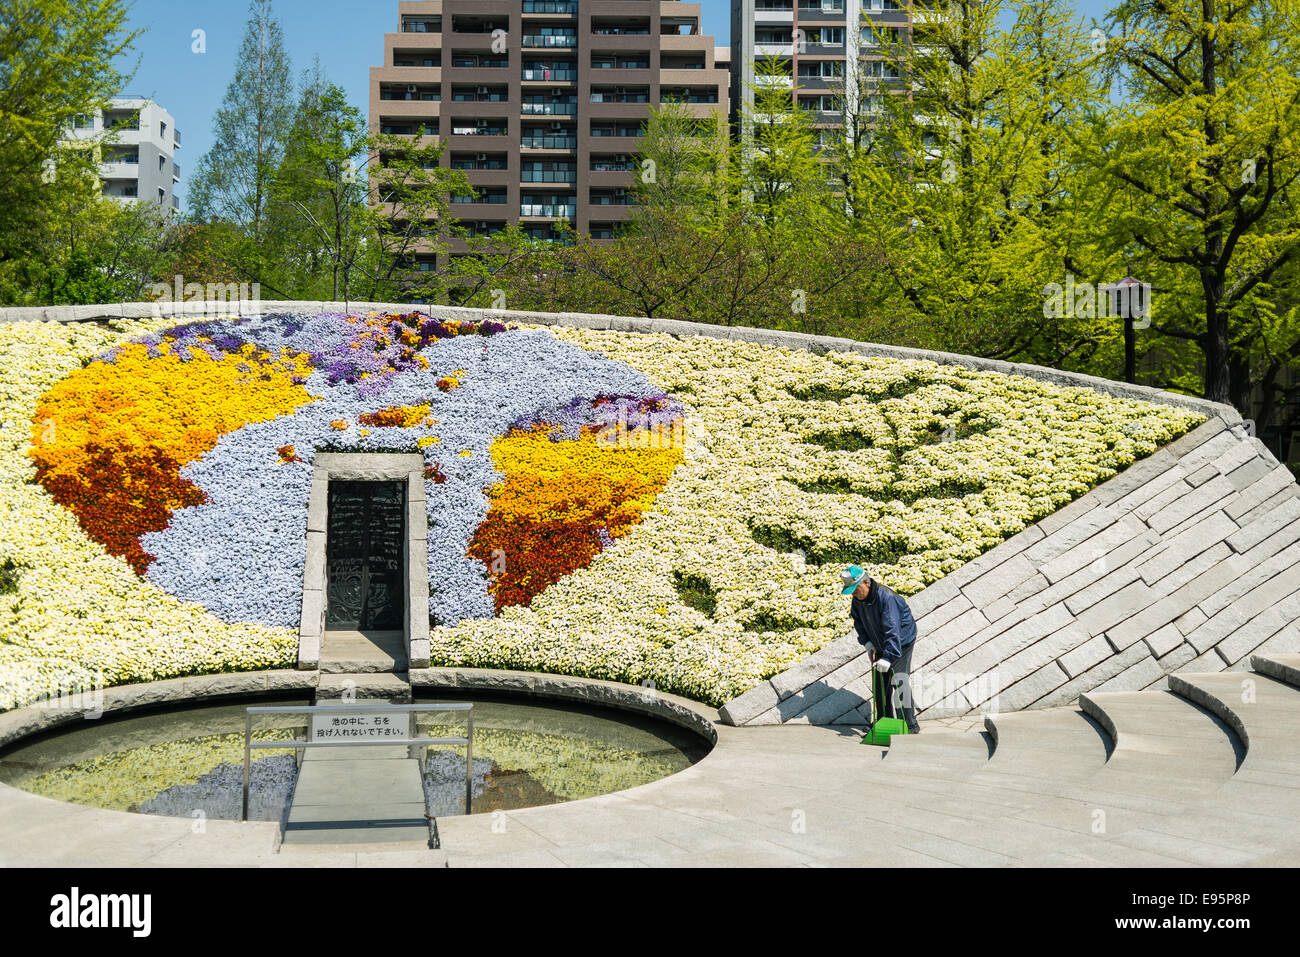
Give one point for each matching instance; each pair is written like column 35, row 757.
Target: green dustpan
column 882, row 729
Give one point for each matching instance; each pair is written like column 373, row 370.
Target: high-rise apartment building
column 830, row 47
column 138, row 148
column 541, row 102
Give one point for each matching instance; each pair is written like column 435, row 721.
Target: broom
column 882, row 729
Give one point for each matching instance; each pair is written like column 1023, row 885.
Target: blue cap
column 852, row 577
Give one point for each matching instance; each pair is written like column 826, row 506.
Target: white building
column 829, row 47
column 138, row 155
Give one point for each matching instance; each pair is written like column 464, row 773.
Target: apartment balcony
column 469, row 127
column 549, row 42
column 774, row 16
column 483, row 196
column 604, row 96
column 536, row 174
column 628, row 132
column 545, row 75
column 121, row 169
column 566, row 142
column 823, row 13
column 549, row 109
column 548, row 211
column 775, row 49
column 567, row 8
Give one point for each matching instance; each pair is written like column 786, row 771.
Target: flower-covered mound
column 613, row 505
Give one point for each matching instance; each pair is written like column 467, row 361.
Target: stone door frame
column 366, row 467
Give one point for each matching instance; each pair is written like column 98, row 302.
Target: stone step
column 1164, row 744
column 1062, row 744
column 1262, row 710
column 390, row 687
column 1282, row 667
column 946, row 754
column 355, row 652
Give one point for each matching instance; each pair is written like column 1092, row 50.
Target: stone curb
column 120, row 699
column 775, row 338
column 677, row 710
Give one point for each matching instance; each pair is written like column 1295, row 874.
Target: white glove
column 882, row 666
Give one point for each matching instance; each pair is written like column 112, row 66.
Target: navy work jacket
column 885, row 622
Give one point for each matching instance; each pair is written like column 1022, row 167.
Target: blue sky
column 348, row 35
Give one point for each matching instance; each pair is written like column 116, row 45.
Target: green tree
column 1205, row 152
column 233, row 179
column 317, row 215
column 56, row 61
column 410, row 217
column 965, row 182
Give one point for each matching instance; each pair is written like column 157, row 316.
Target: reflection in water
column 189, row 763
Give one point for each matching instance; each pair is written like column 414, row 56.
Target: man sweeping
column 885, row 626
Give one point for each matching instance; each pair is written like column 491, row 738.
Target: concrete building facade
column 541, row 102
column 138, row 141
column 831, row 49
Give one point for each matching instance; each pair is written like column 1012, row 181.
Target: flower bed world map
column 626, row 506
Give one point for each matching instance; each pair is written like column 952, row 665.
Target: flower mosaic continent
column 625, row 506
column 189, row 453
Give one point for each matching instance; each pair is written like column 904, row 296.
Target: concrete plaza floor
column 783, row 796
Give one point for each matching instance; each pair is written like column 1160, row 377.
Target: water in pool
column 189, row 762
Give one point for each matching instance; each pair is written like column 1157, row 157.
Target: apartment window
column 554, row 70
column 551, row 37
column 620, row 63
column 162, row 129
column 539, row 172
column 821, row 69
column 550, row 6
column 410, row 92
column 83, row 121
column 474, row 60
column 611, row 164
column 407, row 59
column 473, row 161
column 607, row 28
column 891, row 35
column 831, row 35
column 880, row 70
column 162, row 163
column 615, row 129
column 162, row 196
column 620, row 95
column 421, row 24
column 482, row 94
column 485, row 196
column 466, row 127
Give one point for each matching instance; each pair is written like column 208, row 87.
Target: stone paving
column 1188, row 560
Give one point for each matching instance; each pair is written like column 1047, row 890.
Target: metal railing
column 297, row 744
